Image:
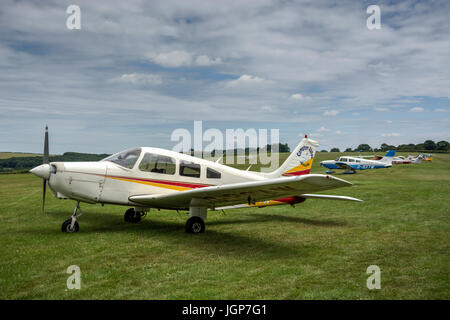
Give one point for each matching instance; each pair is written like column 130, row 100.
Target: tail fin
column 299, row 161
column 388, row 156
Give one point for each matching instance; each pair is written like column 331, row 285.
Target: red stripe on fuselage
column 171, row 183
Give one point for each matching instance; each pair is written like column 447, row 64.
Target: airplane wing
column 245, row 192
column 343, row 165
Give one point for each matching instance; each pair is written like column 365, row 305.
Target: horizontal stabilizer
column 328, row 197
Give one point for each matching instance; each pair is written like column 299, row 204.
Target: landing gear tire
column 132, row 216
column 66, row 226
column 195, row 225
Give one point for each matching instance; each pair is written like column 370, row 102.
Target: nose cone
column 42, row 171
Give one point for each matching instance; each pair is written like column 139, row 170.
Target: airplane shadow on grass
column 214, row 241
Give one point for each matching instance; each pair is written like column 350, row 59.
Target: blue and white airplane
column 351, row 164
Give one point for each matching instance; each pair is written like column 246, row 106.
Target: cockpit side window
column 212, row 174
column 157, row 164
column 189, row 169
column 125, row 158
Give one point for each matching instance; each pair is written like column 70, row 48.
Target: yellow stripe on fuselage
column 153, row 184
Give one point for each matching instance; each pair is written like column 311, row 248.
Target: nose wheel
column 67, row 226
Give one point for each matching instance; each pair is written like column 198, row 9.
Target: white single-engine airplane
column 351, row 164
column 145, row 178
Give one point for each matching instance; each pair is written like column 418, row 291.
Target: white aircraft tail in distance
column 144, row 178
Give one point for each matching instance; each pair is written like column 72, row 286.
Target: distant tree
column 284, row 147
column 386, row 147
column 443, row 145
column 429, row 145
column 335, row 150
column 323, row 151
column 348, row 150
column 406, row 147
column 364, row 148
column 419, row 147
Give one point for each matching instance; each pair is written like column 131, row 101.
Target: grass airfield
column 319, row 249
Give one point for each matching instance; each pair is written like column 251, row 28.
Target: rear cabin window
column 189, row 169
column 157, row 164
column 212, row 174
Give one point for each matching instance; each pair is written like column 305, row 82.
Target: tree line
column 427, row 146
column 20, row 164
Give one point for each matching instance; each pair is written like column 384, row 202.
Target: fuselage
column 140, row 171
column 354, row 162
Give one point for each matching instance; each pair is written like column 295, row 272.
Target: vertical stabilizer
column 388, row 157
column 299, row 161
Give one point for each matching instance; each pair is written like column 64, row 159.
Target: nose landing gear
column 71, row 225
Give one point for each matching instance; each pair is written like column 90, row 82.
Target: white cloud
column 323, row 129
column 389, row 121
column 331, row 113
column 440, row 110
column 417, row 109
column 394, row 134
column 172, row 59
column 381, row 109
column 297, row 96
column 315, row 135
column 138, row 78
column 205, row 61
column 180, row 58
column 246, row 80
column 338, row 132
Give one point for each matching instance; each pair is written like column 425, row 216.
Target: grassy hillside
column 8, row 155
column 317, row 250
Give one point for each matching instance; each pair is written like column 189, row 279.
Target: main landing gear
column 195, row 225
column 197, row 214
column 71, row 225
column 134, row 216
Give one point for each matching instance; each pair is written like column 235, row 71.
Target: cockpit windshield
column 125, row 158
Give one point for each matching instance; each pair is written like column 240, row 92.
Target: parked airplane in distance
column 351, row 164
column 417, row 159
column 144, row 178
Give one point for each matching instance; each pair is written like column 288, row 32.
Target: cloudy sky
column 137, row 70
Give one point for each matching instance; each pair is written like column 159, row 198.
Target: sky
column 137, row 70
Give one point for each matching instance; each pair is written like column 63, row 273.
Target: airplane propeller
column 45, row 161
column 44, row 170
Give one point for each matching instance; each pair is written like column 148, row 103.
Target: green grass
column 7, row 155
column 318, row 250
